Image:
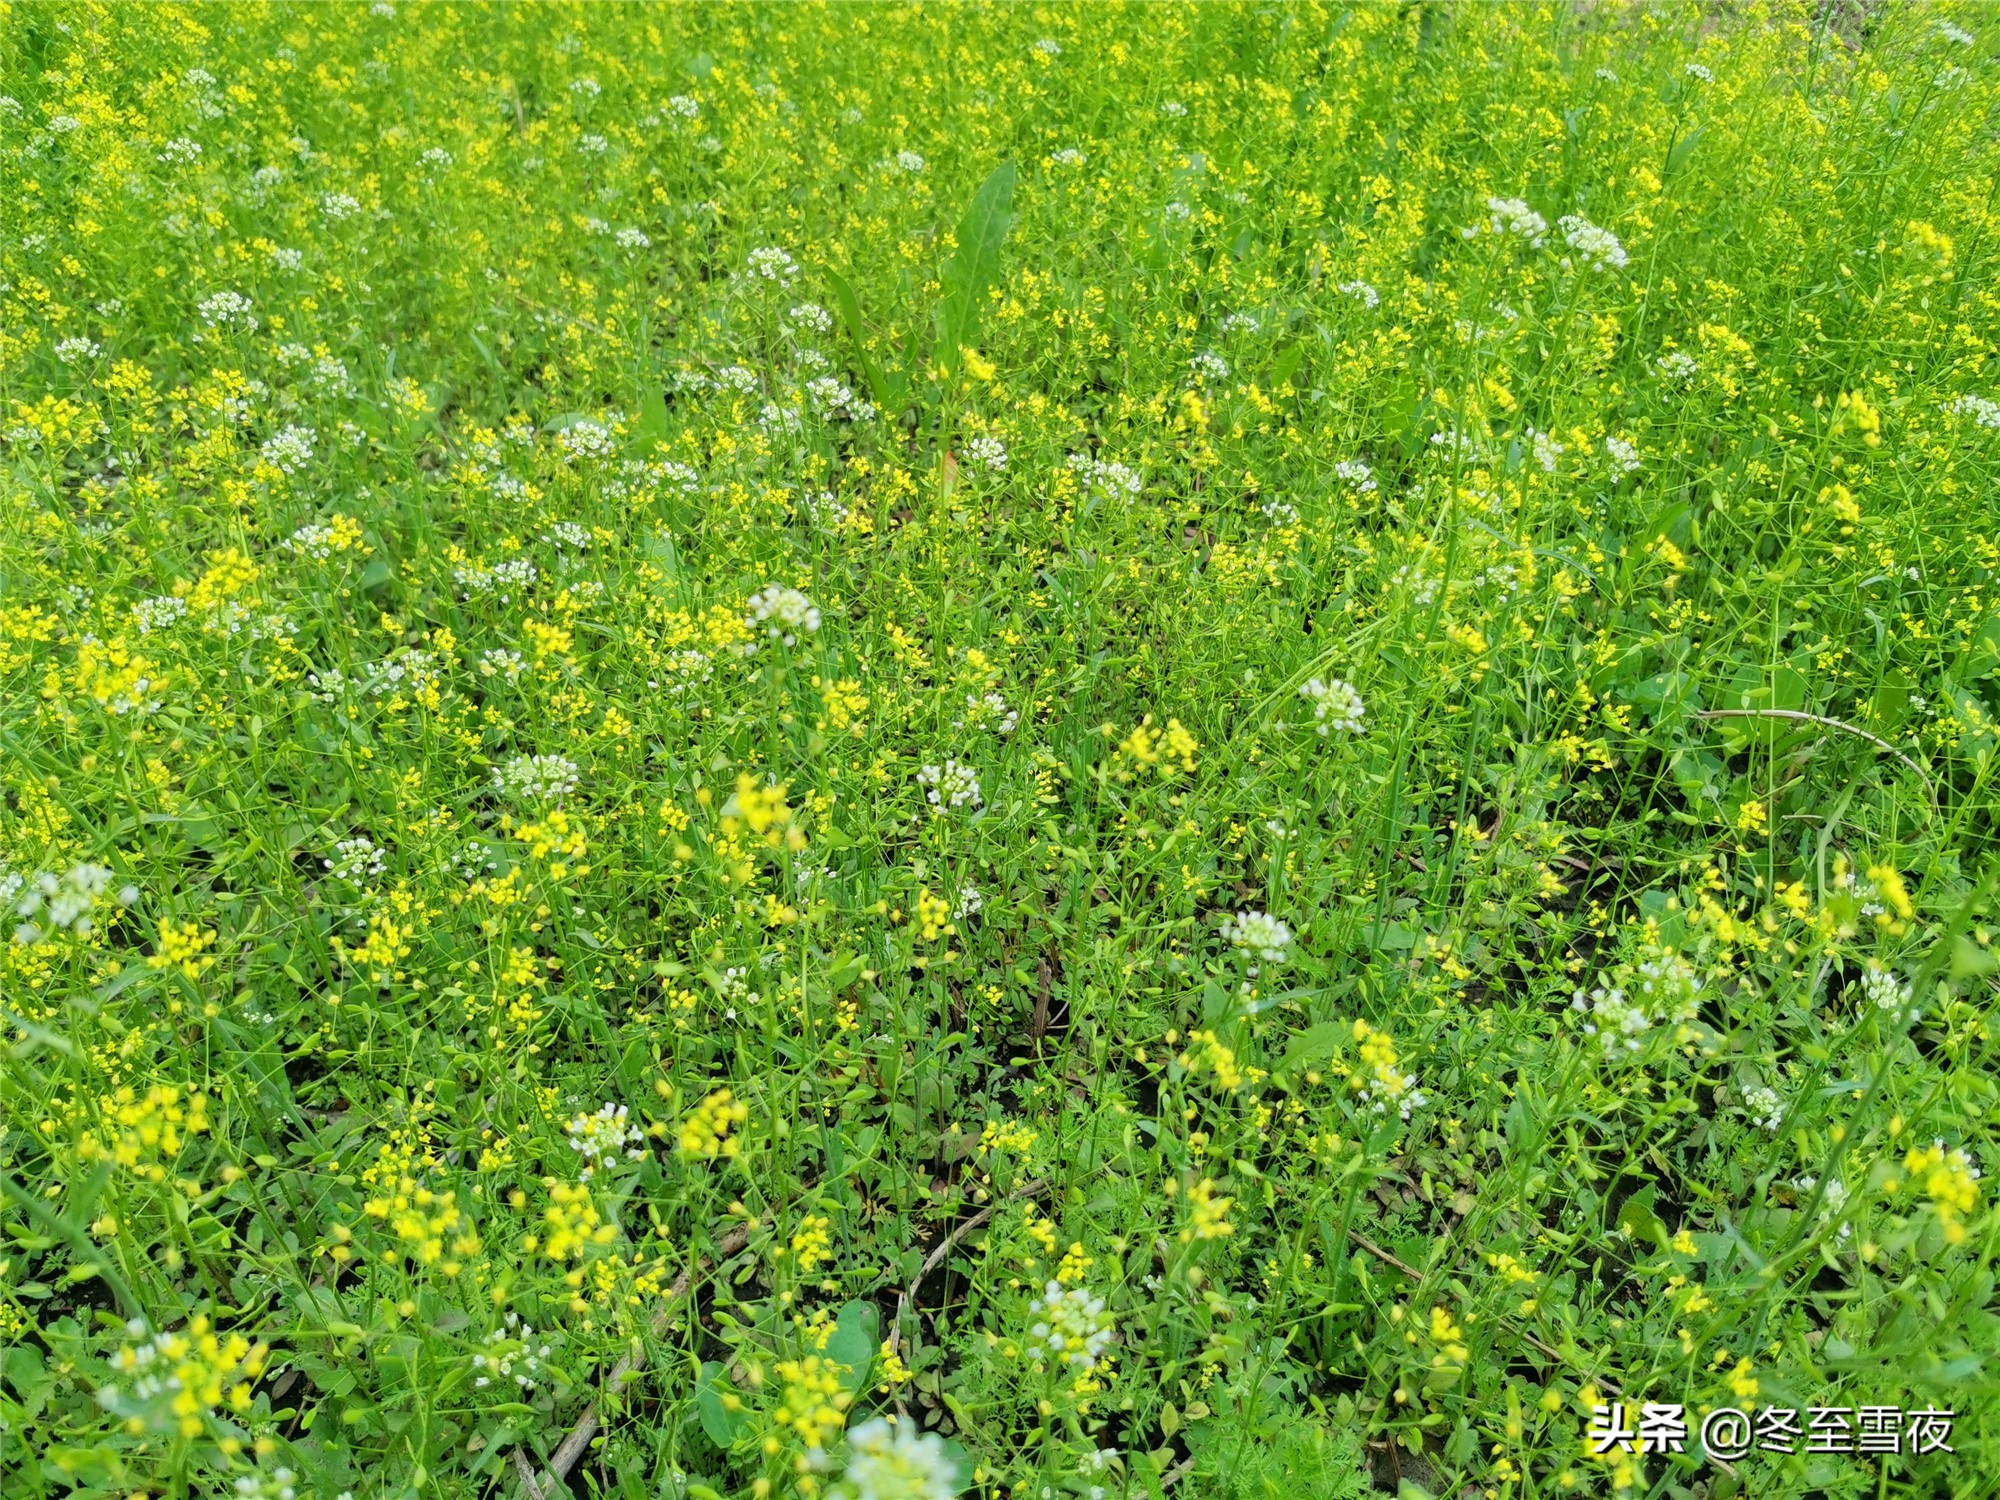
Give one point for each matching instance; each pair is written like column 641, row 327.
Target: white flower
column 785, row 614
column 632, row 239
column 586, row 440
column 1280, row 512
column 1676, row 365
column 180, row 151
column 499, row 662
column 1513, row 216
column 1614, row 1020
column 1048, row 47
column 159, row 612
column 1889, row 995
column 592, row 144
column 1111, row 479
column 1696, row 70
column 1259, row 934
column 226, row 310
column 809, row 315
column 585, row 87
column 1069, row 156
column 683, row 106
column 950, row 785
column 1599, row 247
column 969, row 902
column 435, row 159
column 1173, row 109
column 1071, row 1326
column 988, row 452
column 1241, row 322
column 909, row 161
column 1765, row 1109
column 1355, row 472
column 1336, row 705
column 601, row 1137
column 536, row 778
column 502, row 579
column 831, row 398
column 62, row 902
column 889, row 1459
column 771, row 264
column 1624, row 456
column 1361, row 291
column 355, row 860
column 1983, row 412
column 1209, row 367
column 1547, row 449
column 1956, row 34
column 289, row 450
column 70, row 351
column 339, row 206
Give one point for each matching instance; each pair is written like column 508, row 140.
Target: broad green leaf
column 975, row 264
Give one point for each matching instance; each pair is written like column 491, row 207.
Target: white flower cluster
column 73, row 351
column 500, row 662
column 1983, row 412
column 769, row 263
column 1354, row 472
column 501, row 579
column 1109, row 478
column 1336, row 705
column 991, row 706
column 569, row 534
column 1209, row 367
column 950, row 785
column 1070, row 1325
column 1547, row 449
column 1765, row 1109
column 586, row 441
column 1069, row 156
column 809, row 315
column 226, row 310
column 355, row 860
column 159, row 612
column 510, row 1351
column 909, row 161
column 1513, row 216
column 1259, row 934
column 988, row 452
column 889, row 1459
column 1598, row 247
column 1614, row 1020
column 1889, row 995
column 536, row 778
column 1676, row 365
column 338, row 206
column 784, row 614
column 1361, row 292
column 257, row 1485
column 603, row 1136
column 59, row 903
column 1624, row 456
column 831, row 398
column 288, row 450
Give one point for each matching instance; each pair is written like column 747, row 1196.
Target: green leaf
column 723, row 1425
column 652, row 429
column 1312, row 1046
column 1683, row 150
column 856, row 1334
column 975, row 264
column 887, row 397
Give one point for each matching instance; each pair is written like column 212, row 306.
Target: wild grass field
column 1037, row 751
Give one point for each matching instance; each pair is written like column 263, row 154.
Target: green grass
column 589, row 859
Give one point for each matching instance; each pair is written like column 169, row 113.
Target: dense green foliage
column 1022, row 751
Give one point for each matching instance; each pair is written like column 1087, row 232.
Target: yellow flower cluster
column 1207, row 1213
column 183, row 946
column 184, row 1377
column 933, row 917
column 707, row 1130
column 573, row 1222
column 423, row 1222
column 764, row 812
column 1207, row 1054
column 812, row 1405
column 140, row 1132
column 1168, row 751
column 1006, row 1135
column 813, row 1243
column 1950, row 1181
